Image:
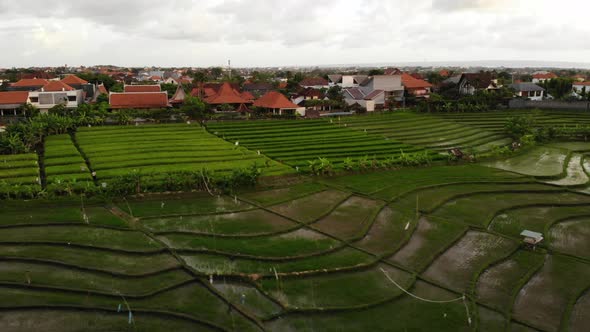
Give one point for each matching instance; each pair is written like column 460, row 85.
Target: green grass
column 296, row 243
column 534, row 218
column 480, row 209
column 214, row 264
column 312, row 207
column 173, row 205
column 114, row 151
column 234, row 223
column 542, row 301
column 55, row 276
column 350, row 219
column 429, row 239
column 275, row 196
column 540, row 161
column 338, row 289
column 390, row 184
column 427, row 131
column 63, row 162
column 81, row 235
column 297, row 142
column 458, row 264
column 398, row 315
column 497, row 285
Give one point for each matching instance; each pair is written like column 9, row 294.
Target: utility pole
column 229, row 68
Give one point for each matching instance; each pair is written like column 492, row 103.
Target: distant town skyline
column 266, row 33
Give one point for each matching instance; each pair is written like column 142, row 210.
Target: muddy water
column 457, row 265
column 580, row 319
column 572, row 237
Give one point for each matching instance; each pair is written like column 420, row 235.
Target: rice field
column 416, row 249
column 430, row 132
column 296, row 143
column 161, row 149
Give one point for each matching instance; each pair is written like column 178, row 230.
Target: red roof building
column 73, row 80
column 392, row 71
column 314, row 82
column 13, row 98
column 142, row 88
column 138, row 100
column 29, row 84
column 102, row 90
column 278, row 103
column 226, row 95
column 542, row 77
column 416, row 87
column 56, row 86
column 247, row 95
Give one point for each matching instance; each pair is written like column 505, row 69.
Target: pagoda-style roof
column 73, row 80
column 226, row 95
column 274, row 100
column 179, row 96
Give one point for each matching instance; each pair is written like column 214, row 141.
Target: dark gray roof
column 526, row 86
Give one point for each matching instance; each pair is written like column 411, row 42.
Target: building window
column 71, row 98
column 34, row 99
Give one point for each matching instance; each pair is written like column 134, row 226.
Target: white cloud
column 305, row 32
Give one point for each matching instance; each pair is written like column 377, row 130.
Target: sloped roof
column 142, row 88
column 54, row 86
column 139, row 100
column 335, row 78
column 29, row 82
column 478, row 80
column 273, row 99
column 179, row 96
column 544, row 76
column 14, row 97
column 355, row 93
column 73, row 79
column 392, row 71
column 581, row 83
column 257, row 86
column 373, row 94
column 526, row 86
column 226, row 95
column 102, row 89
column 247, row 95
column 313, row 81
column 411, row 82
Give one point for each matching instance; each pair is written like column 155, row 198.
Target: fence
column 550, row 104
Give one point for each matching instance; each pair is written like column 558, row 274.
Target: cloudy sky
column 290, row 32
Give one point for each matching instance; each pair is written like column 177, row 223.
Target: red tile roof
column 139, row 100
column 226, row 95
column 102, row 89
column 247, row 95
column 73, row 79
column 282, row 85
column 392, row 71
column 545, row 76
column 581, row 83
column 14, row 97
column 55, row 86
column 142, row 88
column 30, row 82
column 273, row 99
column 313, row 81
column 444, row 73
column 413, row 83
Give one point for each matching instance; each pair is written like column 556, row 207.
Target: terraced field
column 431, row 132
column 19, row 173
column 297, row 142
column 158, row 149
column 415, row 249
column 64, row 164
column 495, row 121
